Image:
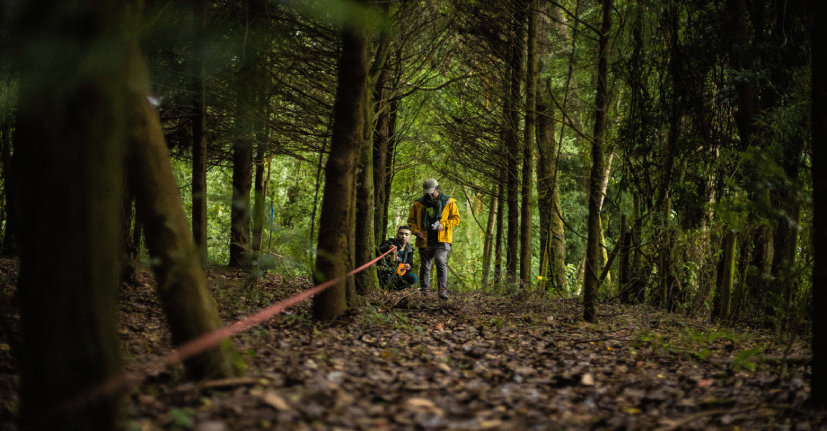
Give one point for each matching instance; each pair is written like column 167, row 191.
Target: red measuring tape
column 209, row 340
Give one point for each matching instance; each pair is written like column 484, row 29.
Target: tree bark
column 498, row 240
column 340, row 173
column 260, row 192
column 127, row 262
column 68, row 161
column 489, row 235
column 182, row 287
column 552, row 234
column 380, row 155
column 528, row 147
column 10, row 207
column 512, row 114
column 199, row 139
column 596, row 177
column 725, row 294
column 240, row 253
column 818, row 171
column 366, row 281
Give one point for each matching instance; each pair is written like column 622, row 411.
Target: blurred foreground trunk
column 68, row 159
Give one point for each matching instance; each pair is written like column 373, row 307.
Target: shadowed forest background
column 606, row 155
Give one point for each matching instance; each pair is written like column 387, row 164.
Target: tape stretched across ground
column 207, row 341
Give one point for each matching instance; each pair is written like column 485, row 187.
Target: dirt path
column 474, row 363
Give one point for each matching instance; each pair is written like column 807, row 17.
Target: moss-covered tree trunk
column 366, row 204
column 68, row 160
column 366, row 281
column 340, row 173
column 529, row 136
column 182, row 287
column 598, row 162
column 552, row 234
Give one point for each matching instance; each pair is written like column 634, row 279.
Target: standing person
column 389, row 271
column 432, row 219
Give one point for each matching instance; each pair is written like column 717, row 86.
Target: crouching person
column 395, row 269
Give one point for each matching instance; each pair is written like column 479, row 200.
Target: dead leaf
column 587, row 380
column 272, row 399
column 420, row 403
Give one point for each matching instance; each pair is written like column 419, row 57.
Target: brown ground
column 477, row 362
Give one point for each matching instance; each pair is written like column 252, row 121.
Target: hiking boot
column 426, row 292
column 443, row 293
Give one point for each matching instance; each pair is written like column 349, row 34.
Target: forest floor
column 474, row 362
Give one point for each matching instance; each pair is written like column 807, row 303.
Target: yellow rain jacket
column 449, row 219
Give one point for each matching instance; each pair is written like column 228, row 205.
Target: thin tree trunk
column 240, row 253
column 10, row 208
column 70, row 184
column 127, row 262
column 489, row 235
column 380, row 155
column 182, row 287
column 498, row 241
column 513, row 142
column 725, row 294
column 528, row 147
column 199, row 140
column 390, row 160
column 259, row 199
column 596, row 177
column 340, row 173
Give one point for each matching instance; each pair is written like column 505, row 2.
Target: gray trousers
column 426, row 258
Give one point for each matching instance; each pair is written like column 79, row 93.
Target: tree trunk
column 182, row 287
column 596, row 177
column 389, row 162
column 70, row 181
column 818, row 169
column 489, row 235
column 240, row 253
column 725, row 293
column 10, row 207
column 512, row 114
column 366, row 281
column 199, row 139
column 340, row 173
column 498, row 240
column 380, row 156
column 259, row 199
column 366, row 214
column 552, row 234
column 127, row 262
column 528, row 147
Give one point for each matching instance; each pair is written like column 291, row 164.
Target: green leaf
column 182, row 417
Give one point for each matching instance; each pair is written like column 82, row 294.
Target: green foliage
column 747, row 359
column 182, row 417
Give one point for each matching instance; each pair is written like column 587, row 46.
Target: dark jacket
column 407, row 252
